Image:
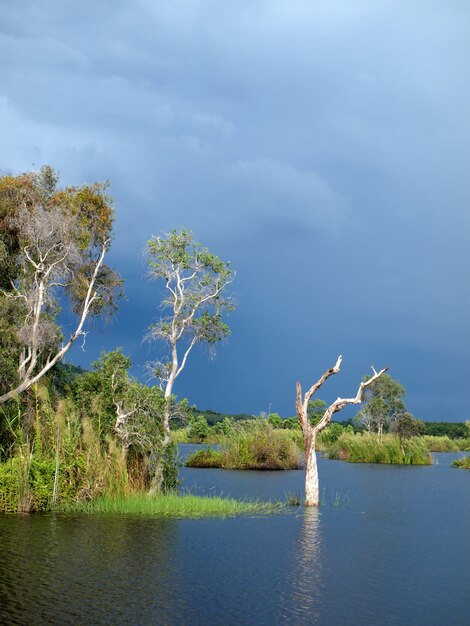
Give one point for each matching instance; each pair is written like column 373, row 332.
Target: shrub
column 198, row 428
column 256, row 445
column 205, row 458
column 463, row 463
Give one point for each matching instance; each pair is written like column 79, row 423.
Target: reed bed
column 445, row 444
column 365, row 448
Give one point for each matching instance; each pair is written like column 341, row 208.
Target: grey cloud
column 322, row 147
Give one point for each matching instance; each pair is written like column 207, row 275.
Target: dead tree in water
column 310, row 432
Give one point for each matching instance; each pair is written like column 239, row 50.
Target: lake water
column 389, row 545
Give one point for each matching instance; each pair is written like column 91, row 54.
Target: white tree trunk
column 309, row 432
column 312, row 488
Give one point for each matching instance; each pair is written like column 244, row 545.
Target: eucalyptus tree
column 310, row 431
column 195, row 281
column 383, row 405
column 52, row 248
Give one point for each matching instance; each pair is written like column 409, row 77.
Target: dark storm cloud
column 321, row 147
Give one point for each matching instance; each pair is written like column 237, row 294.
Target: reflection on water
column 305, row 592
column 396, row 554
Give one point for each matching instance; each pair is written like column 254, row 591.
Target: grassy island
column 463, row 463
column 252, row 445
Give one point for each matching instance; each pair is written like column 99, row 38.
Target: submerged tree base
column 175, row 506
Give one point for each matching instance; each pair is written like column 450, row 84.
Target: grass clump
column 463, row 463
column 365, row 448
column 252, row 445
column 175, row 506
column 205, row 458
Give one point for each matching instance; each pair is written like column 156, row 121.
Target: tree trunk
column 312, row 489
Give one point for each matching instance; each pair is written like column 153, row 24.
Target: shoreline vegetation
column 257, row 445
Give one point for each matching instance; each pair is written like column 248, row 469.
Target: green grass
column 175, row 506
column 364, row 448
column 463, row 463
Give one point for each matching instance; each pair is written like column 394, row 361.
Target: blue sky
column 323, row 148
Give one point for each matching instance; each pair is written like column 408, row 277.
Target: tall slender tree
column 195, row 281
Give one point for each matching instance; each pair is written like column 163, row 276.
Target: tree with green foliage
column 407, row 426
column 196, row 281
column 316, row 409
column 198, row 428
column 120, row 405
column 52, row 247
column 383, row 404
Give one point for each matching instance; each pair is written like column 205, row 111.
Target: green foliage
column 51, row 244
column 383, row 404
column 445, row 444
column 256, row 445
column 406, row 426
column 454, row 430
column 332, row 433
column 223, row 427
column 291, row 423
column 170, row 469
column 198, row 429
column 195, row 280
column 275, row 420
column 27, row 483
column 316, row 409
column 365, row 448
column 205, row 458
column 463, row 463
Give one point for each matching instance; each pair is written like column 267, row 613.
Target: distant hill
column 212, row 417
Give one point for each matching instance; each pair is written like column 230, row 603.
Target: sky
column 321, row 147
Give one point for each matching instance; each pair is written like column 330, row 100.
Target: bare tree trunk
column 312, row 487
column 309, row 432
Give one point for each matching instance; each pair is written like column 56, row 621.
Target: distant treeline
column 453, row 430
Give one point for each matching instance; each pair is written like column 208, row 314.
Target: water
column 390, row 545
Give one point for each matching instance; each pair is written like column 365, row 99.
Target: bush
column 253, row 444
column 205, row 458
column 365, row 448
column 256, row 445
column 27, row 484
column 198, row 429
column 463, row 463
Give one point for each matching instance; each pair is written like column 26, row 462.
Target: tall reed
column 365, row 448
